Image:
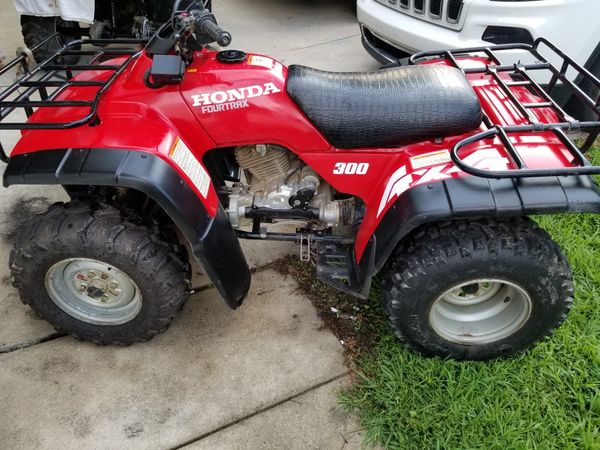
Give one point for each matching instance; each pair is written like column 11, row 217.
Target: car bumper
column 381, row 51
column 383, row 27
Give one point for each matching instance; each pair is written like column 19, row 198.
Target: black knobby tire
column 37, row 29
column 74, row 230
column 440, row 257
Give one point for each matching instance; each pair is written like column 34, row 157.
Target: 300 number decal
column 352, row 168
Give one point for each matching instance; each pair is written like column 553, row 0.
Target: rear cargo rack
column 520, row 74
column 42, row 86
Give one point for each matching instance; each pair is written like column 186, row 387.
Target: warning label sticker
column 430, row 159
column 256, row 60
column 188, row 163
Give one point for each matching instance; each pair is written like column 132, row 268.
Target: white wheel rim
column 93, row 291
column 480, row 311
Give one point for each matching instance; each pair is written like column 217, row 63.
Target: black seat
column 386, row 108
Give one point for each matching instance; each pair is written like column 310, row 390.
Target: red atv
column 425, row 173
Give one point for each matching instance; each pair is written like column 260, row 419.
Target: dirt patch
column 134, row 430
column 351, row 320
column 21, row 211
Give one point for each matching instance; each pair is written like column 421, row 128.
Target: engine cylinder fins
column 264, row 162
column 279, row 187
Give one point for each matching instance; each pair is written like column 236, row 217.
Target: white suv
column 394, row 29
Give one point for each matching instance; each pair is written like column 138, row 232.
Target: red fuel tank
column 245, row 102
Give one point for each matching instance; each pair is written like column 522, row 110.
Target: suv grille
column 446, row 13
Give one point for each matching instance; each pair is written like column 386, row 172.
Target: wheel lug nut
column 104, row 276
column 82, row 288
column 114, row 285
column 91, row 274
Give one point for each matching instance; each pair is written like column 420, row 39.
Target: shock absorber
column 113, row 15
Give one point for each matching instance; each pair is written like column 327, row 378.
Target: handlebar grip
column 220, row 36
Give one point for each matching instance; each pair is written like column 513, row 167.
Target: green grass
column 546, row 398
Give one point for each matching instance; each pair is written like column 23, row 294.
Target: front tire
column 476, row 289
column 98, row 276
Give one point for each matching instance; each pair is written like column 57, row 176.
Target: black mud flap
column 213, row 240
column 476, row 198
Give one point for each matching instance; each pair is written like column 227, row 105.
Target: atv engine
column 282, row 187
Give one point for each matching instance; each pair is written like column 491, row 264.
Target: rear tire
column 98, row 276
column 476, row 289
column 37, row 29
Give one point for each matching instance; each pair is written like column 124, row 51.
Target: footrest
column 336, row 266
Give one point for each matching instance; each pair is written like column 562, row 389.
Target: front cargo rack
column 521, row 75
column 41, row 86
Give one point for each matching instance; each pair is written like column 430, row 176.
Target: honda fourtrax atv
column 424, row 174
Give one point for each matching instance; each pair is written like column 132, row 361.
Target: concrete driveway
column 264, row 376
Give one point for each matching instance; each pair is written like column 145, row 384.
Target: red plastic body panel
column 223, row 105
column 272, row 118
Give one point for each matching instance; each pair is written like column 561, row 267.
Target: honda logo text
column 232, row 99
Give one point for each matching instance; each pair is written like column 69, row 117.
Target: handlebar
column 207, row 24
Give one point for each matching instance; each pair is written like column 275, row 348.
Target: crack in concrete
column 32, row 343
column 260, row 411
column 327, row 42
column 28, row 344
